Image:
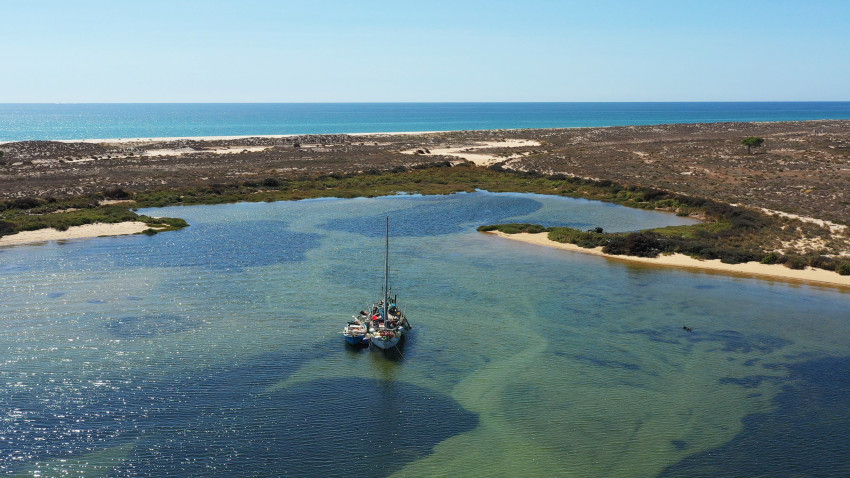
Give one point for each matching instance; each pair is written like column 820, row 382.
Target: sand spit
column 749, row 269
column 75, row 232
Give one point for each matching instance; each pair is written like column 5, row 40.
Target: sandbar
column 749, row 269
column 74, row 232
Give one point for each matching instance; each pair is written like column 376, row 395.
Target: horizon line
column 398, row 102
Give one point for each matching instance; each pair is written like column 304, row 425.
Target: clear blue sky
column 368, row 50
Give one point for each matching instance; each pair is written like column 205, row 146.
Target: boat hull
column 354, row 332
column 354, row 339
column 385, row 343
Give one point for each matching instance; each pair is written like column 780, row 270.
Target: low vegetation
column 31, row 214
column 731, row 245
column 731, row 234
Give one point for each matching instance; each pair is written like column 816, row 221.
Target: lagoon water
column 216, row 351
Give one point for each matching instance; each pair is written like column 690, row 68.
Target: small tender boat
column 354, row 332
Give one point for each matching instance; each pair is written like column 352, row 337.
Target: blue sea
column 81, row 121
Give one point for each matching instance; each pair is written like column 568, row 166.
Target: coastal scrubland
column 748, row 198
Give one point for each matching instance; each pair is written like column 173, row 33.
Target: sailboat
column 386, row 324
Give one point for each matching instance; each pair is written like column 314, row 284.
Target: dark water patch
column 797, row 357
column 806, row 435
column 55, row 418
column 732, row 341
column 363, row 428
column 146, row 326
column 679, row 444
column 658, row 335
column 55, row 295
column 134, row 297
column 223, row 422
column 440, row 216
column 607, row 363
column 96, row 301
column 727, row 340
column 751, row 362
column 705, row 286
column 752, row 381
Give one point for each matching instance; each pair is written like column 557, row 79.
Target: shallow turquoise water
column 215, row 351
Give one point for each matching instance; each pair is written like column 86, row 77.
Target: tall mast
column 387, row 272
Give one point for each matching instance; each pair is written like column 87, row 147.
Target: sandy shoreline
column 219, row 138
column 749, row 269
column 75, row 232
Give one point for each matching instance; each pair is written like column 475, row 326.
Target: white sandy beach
column 223, row 138
column 749, row 269
column 74, row 232
column 220, row 138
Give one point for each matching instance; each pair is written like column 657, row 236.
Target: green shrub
column 640, row 244
column 796, row 263
column 23, row 203
column 175, row 222
column 6, row 228
column 510, row 229
column 822, row 262
column 615, row 245
column 271, row 182
column 737, row 256
column 116, row 194
column 771, row 258
column 514, row 228
column 843, row 268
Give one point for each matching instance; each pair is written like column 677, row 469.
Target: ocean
column 216, row 350
column 20, row 122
